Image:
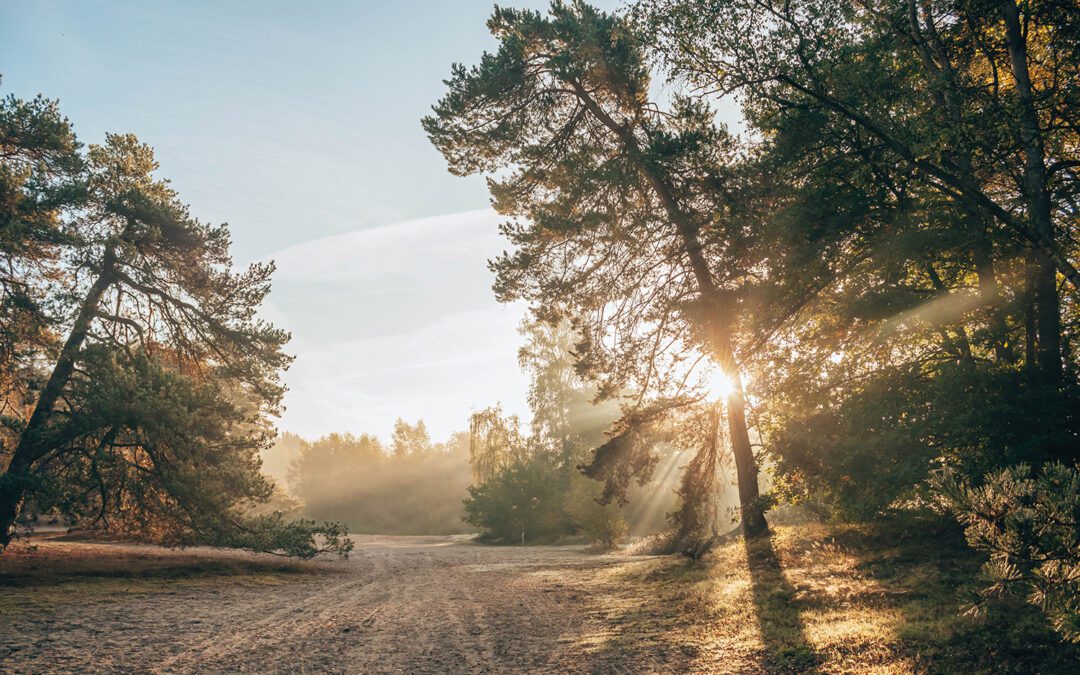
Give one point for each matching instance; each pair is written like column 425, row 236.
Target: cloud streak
column 397, row 321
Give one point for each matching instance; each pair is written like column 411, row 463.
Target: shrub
column 1029, row 524
column 523, row 500
column 603, row 524
column 861, row 450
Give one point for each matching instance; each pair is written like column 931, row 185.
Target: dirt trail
column 399, row 604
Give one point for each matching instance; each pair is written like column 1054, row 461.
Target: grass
column 56, row 560
column 886, row 598
column 52, row 569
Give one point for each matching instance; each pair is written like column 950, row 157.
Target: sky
column 299, row 125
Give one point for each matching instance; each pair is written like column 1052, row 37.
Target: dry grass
column 813, row 598
column 55, row 569
column 56, row 559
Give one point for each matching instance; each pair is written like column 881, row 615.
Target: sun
column 720, row 385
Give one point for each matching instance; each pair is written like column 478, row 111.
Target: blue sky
column 298, row 124
column 285, row 121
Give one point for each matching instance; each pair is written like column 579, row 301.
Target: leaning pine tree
column 153, row 411
column 622, row 214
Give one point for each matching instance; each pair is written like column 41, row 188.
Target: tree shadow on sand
column 734, row 612
column 777, row 609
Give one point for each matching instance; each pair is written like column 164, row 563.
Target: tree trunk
column 990, row 293
column 34, row 442
column 750, row 509
column 753, row 516
column 1031, row 329
column 936, row 59
column 1047, row 311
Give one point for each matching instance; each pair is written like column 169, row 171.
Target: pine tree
column 1027, row 523
column 156, row 404
column 618, row 205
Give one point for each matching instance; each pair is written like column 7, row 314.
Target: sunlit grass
column 839, row 599
column 53, row 560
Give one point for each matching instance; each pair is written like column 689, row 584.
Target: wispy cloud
column 397, row 321
column 413, row 249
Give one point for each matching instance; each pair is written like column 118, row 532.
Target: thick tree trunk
column 1047, row 310
column 34, row 441
column 719, row 318
column 1031, row 329
column 750, row 509
column 753, row 516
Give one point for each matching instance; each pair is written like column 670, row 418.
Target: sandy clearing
column 399, row 604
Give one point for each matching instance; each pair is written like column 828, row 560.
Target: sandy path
column 399, row 604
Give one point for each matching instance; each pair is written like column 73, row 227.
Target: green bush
column 603, row 524
column 1029, row 524
column 868, row 447
column 523, row 500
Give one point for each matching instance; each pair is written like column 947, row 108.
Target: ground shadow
column 777, row 609
column 925, row 572
column 675, row 615
column 634, row 619
column 884, row 596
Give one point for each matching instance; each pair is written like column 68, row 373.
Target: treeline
column 878, row 277
column 412, row 486
column 495, row 479
column 530, row 487
column 137, row 382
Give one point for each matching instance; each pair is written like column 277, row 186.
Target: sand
column 398, row 604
